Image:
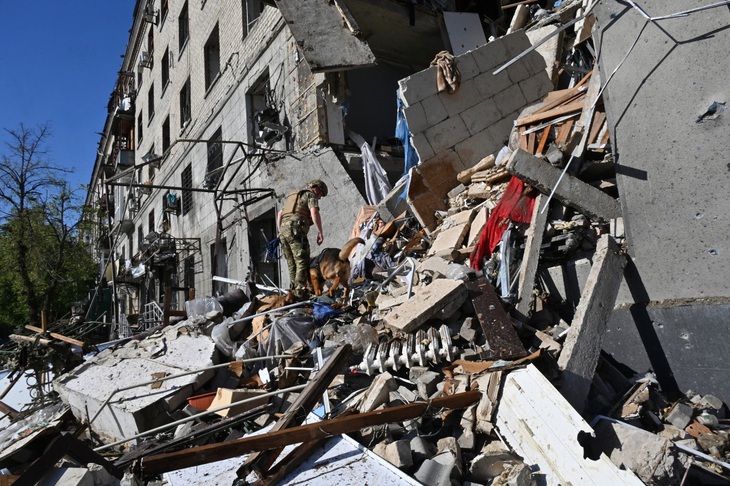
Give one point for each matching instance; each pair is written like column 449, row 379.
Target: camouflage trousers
column 295, row 245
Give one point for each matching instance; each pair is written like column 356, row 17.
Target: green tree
column 44, row 263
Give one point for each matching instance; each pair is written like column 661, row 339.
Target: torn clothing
column 448, row 77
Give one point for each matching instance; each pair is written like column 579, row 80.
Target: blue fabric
column 272, row 250
column 403, row 134
column 322, row 312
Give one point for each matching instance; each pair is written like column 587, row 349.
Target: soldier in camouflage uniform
column 300, row 211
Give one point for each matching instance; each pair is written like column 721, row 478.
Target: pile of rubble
column 459, row 356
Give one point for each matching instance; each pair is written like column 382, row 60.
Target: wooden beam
column 18, row 338
column 496, row 325
column 543, row 140
column 530, row 259
column 568, row 95
column 547, row 115
column 305, row 433
column 297, row 411
column 55, row 335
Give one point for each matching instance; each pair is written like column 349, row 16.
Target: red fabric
column 515, row 205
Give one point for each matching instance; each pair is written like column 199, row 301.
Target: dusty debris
column 455, row 356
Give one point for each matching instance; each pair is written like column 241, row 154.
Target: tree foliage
column 44, row 264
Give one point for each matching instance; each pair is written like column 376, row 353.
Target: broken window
column 185, row 111
column 219, row 266
column 165, row 69
column 212, row 58
column 189, row 272
column 215, row 159
column 187, row 194
column 166, row 134
column 151, row 103
column 251, row 10
column 140, row 239
column 164, row 8
column 265, row 268
column 263, row 113
column 182, row 26
column 151, row 221
column 139, row 128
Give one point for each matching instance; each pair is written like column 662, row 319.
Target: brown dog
column 333, row 265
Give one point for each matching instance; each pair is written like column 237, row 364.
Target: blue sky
column 59, row 61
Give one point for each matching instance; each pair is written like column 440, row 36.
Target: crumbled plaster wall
column 452, row 132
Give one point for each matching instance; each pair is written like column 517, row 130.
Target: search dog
column 333, row 265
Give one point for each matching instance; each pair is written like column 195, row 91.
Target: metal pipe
column 286, row 307
column 165, row 378
column 193, row 417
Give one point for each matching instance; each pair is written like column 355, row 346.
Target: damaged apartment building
column 540, row 296
column 223, row 108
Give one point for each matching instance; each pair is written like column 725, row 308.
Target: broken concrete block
column 378, row 393
column 571, row 191
column 434, row 473
column 582, row 346
column 415, row 372
column 426, row 303
column 468, row 419
column 86, row 388
column 477, row 226
column 491, row 462
column 710, row 401
column 631, row 447
column 380, row 448
column 451, row 461
column 398, row 453
column 515, row 475
column 680, row 415
column 448, row 241
column 427, row 384
column 468, row 331
column 421, row 449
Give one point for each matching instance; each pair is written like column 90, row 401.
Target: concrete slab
column 87, row 387
column 426, row 303
column 542, row 428
column 669, row 159
column 572, row 191
column 582, row 346
column 528, row 268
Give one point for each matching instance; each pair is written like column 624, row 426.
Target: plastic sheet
column 295, row 327
column 222, row 338
column 200, row 307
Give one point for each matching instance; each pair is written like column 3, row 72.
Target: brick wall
column 452, row 132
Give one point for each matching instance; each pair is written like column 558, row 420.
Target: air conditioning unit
column 150, row 14
column 145, row 60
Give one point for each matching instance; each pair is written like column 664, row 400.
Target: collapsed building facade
column 526, row 157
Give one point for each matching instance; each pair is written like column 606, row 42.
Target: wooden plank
column 531, row 145
column 584, row 80
column 465, row 175
column 599, row 119
column 554, row 113
column 304, row 403
column 569, row 95
column 196, row 456
column 543, row 140
column 523, row 139
column 55, row 335
column 18, row 338
column 496, row 325
column 530, row 258
column 564, row 132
